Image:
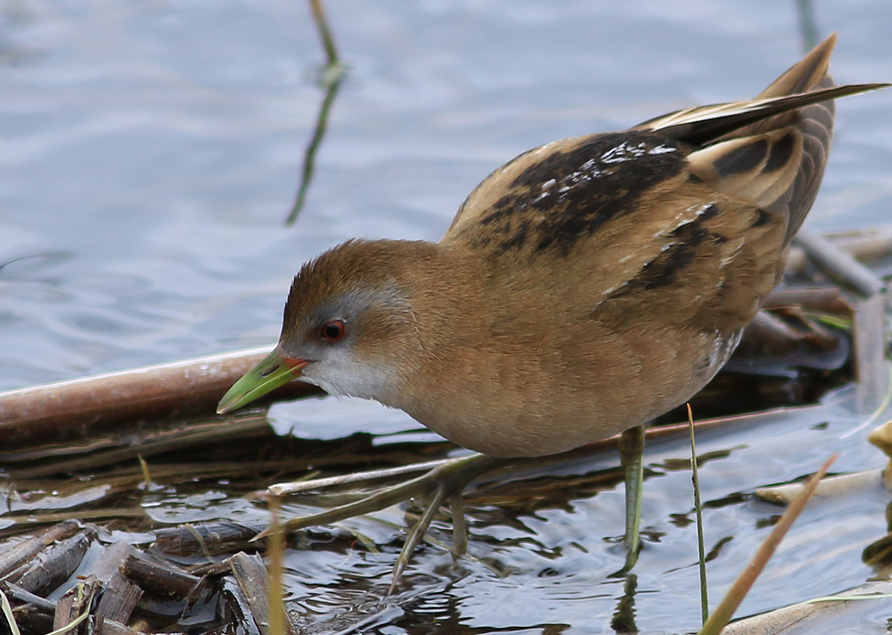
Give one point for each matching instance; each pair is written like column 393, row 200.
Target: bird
column 584, row 288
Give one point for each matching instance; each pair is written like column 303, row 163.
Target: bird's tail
column 770, row 151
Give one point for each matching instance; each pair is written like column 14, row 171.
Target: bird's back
column 627, row 264
column 696, row 205
column 591, row 198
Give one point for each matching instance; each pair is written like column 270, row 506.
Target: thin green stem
column 698, row 508
column 331, row 52
column 309, row 164
column 332, row 75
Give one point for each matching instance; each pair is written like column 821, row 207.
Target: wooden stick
column 865, row 245
column 837, row 263
column 76, row 408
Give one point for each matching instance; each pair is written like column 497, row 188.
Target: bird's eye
column 333, row 330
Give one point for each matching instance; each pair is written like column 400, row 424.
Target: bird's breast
column 544, row 391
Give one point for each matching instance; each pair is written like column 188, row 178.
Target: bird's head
column 349, row 325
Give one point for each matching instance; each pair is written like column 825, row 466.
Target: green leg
column 631, row 449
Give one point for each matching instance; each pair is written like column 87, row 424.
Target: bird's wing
column 627, row 215
column 704, row 198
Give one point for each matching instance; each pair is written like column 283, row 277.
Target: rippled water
column 151, row 149
column 150, row 153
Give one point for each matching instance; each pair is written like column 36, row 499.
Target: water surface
column 151, row 153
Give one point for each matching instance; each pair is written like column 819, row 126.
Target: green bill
column 272, row 372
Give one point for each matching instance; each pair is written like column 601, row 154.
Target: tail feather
column 708, row 124
column 805, row 74
column 770, row 151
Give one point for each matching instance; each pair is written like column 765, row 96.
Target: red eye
column 333, row 330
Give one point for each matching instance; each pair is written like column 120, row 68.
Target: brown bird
column 584, row 288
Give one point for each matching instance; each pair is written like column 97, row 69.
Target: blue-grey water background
column 151, row 149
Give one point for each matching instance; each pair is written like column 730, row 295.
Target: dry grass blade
column 831, row 614
column 7, row 613
column 275, row 549
column 726, row 608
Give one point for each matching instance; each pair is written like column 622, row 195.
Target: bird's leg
column 459, row 528
column 415, row 535
column 451, row 480
column 446, row 480
column 631, row 450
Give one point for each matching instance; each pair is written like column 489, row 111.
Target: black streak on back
column 742, row 159
column 780, row 154
column 671, row 263
column 763, row 217
column 569, row 195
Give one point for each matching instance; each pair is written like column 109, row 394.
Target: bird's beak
column 274, row 371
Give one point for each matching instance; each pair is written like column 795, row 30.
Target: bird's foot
column 444, row 480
